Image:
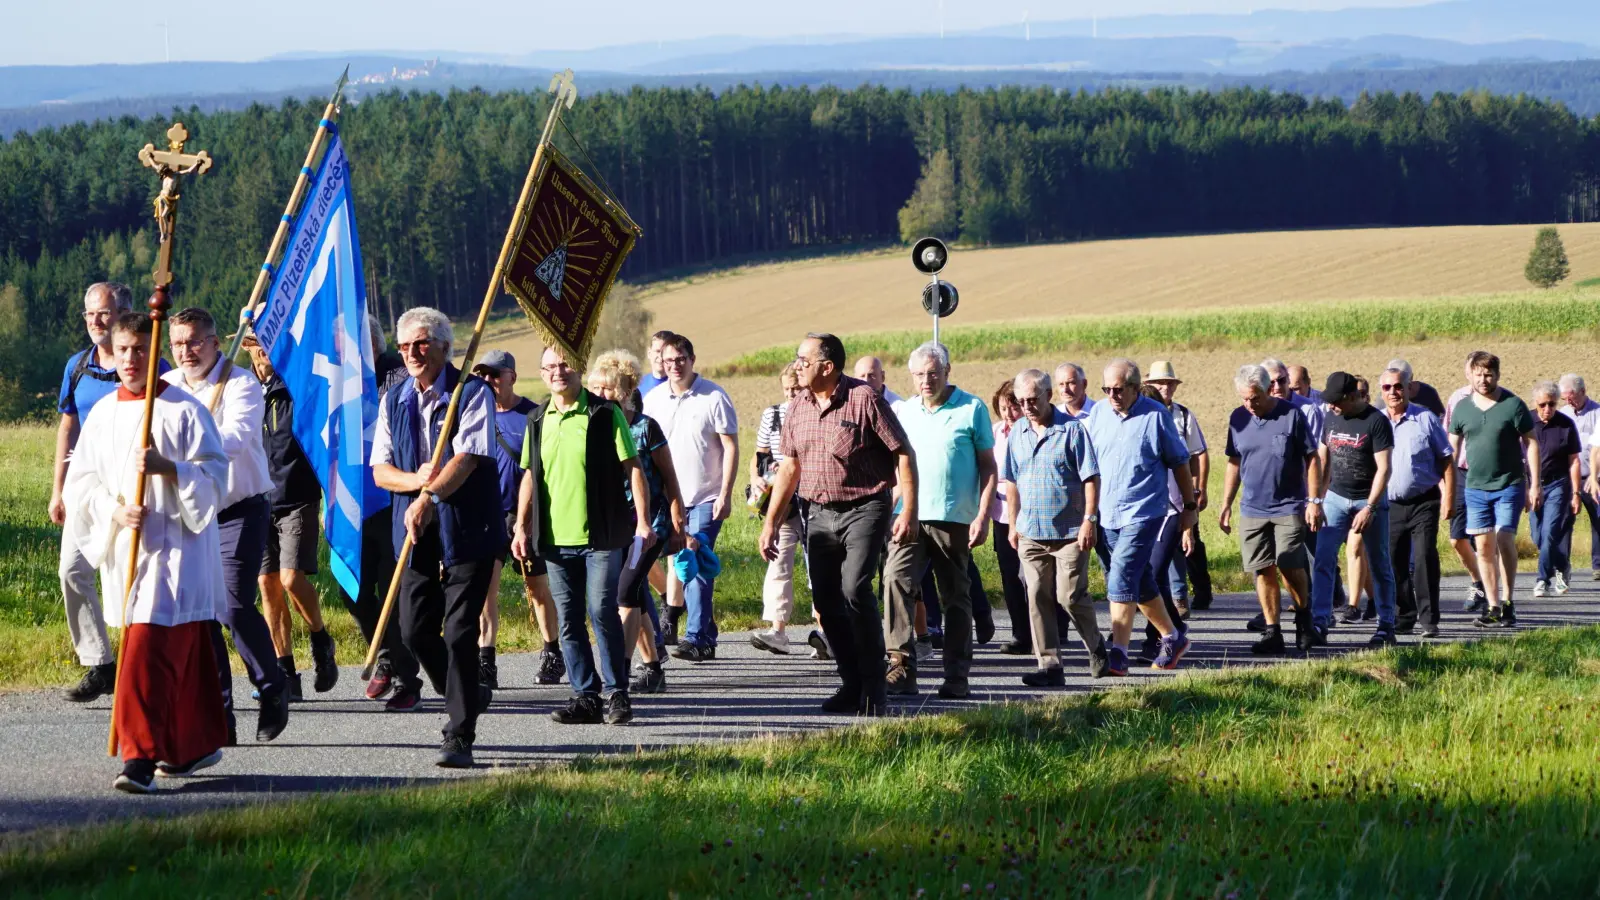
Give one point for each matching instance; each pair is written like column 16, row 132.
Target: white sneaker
column 1539, row 589
column 770, row 641
column 1558, row 585
column 924, row 648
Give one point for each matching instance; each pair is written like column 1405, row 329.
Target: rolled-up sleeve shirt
column 1047, row 467
column 846, row 449
column 1421, row 451
column 1135, row 453
column 474, row 426
column 1587, row 418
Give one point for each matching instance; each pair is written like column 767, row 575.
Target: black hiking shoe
column 552, row 668
column 274, row 715
column 97, row 682
column 619, row 709
column 454, row 753
column 580, row 710
column 323, row 662
column 1271, row 643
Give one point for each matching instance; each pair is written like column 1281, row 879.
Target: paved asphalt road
column 57, row 772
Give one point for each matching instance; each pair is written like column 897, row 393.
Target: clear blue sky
column 63, row 32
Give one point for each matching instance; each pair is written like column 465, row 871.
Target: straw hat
column 1161, row 370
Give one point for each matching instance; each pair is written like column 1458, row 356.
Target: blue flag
column 313, row 325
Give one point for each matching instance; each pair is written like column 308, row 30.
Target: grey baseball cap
column 499, row 360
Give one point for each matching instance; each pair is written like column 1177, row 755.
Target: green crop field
column 1560, row 315
column 1440, row 771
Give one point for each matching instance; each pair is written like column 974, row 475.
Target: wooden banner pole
column 565, row 93
column 275, row 249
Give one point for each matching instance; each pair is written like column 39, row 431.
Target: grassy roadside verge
column 1461, row 770
column 1533, row 314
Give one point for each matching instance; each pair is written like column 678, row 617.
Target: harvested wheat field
column 733, row 313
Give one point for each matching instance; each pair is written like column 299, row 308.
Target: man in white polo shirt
column 703, row 434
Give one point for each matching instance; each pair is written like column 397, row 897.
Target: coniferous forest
column 754, row 171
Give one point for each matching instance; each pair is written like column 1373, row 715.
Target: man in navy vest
column 452, row 515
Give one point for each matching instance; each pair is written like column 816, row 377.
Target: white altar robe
column 179, row 575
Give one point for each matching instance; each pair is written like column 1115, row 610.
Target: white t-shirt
column 693, row 422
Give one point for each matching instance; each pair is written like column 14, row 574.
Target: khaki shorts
column 1279, row 541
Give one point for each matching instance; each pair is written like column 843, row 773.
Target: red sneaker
column 381, row 684
column 405, row 699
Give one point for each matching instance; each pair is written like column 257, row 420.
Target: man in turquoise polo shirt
column 573, row 509
column 953, row 445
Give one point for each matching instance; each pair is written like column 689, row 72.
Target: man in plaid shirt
column 1055, row 480
column 844, row 449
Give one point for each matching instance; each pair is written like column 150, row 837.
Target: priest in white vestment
column 168, row 710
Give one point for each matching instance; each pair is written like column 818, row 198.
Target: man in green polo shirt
column 950, row 435
column 1495, row 426
column 573, row 507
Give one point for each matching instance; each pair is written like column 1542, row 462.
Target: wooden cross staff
column 171, row 164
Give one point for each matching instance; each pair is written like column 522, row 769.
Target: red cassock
column 168, row 707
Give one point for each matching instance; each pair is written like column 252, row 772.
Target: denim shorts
column 1129, row 578
column 1495, row 510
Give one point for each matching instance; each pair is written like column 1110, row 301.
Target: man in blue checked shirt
column 1137, row 445
column 1055, row 485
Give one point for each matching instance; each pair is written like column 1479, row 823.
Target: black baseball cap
column 1340, row 385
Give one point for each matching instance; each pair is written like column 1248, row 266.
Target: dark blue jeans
column 242, row 533
column 582, row 581
column 1592, row 510
column 1551, row 526
column 701, row 624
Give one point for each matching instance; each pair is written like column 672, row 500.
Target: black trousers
column 844, row 544
column 242, row 531
column 439, row 609
column 1414, row 551
column 1199, row 570
column 377, row 568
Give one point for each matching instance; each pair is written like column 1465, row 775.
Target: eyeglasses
column 1391, row 388
column 98, row 315
column 558, row 367
column 421, row 345
column 1111, row 389
column 1550, row 405
column 674, row 361
column 1030, row 401
column 800, row 362
column 195, row 344
column 1281, row 379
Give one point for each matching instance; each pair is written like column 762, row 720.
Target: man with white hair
column 950, row 436
column 1272, row 455
column 1421, row 464
column 89, row 377
column 1586, row 412
column 1137, row 445
column 870, row 369
column 1552, row 514
column 452, row 514
column 1053, row 498
column 1421, row 393
column 1071, row 386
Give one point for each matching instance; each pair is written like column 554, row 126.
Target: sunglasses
column 1391, row 388
column 1112, row 390
column 1547, row 405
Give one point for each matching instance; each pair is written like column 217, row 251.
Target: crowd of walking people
column 613, row 491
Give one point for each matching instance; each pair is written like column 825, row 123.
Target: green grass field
column 1563, row 314
column 1439, row 771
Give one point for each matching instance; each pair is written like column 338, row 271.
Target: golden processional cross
column 171, row 165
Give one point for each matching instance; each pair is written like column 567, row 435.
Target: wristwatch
column 1316, row 501
column 1092, row 518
